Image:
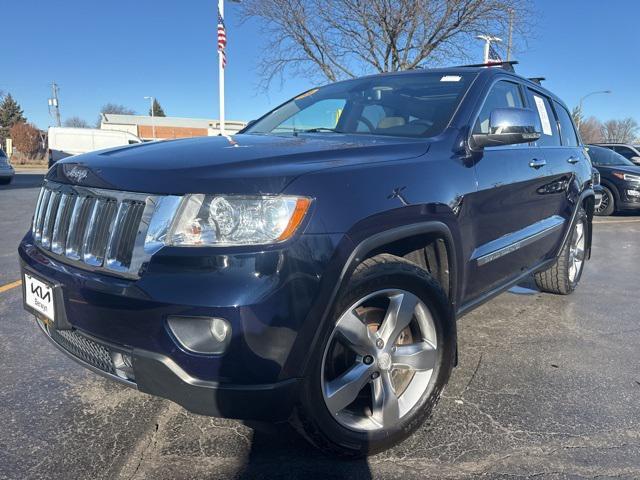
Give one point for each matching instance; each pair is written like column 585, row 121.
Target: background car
column 620, row 180
column 6, row 170
column 628, row 151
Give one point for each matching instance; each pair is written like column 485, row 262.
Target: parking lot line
column 9, row 286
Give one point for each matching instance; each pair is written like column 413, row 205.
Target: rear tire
column 563, row 276
column 364, row 425
column 608, row 203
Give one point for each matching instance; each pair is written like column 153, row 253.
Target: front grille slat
column 61, row 227
column 50, row 219
column 96, row 228
column 42, row 208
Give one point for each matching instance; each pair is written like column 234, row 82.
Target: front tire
column 381, row 364
column 563, row 276
column 608, row 203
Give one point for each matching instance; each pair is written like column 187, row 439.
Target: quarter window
column 502, row 95
column 567, row 130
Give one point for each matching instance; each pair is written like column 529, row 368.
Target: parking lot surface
column 546, row 387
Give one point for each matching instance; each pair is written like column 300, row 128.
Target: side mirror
column 635, row 160
column 508, row 126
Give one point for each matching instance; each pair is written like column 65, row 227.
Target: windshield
column 406, row 105
column 604, row 156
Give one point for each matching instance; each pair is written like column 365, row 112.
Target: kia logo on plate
column 76, row 174
column 37, row 290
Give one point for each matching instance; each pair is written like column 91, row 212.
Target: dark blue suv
column 312, row 267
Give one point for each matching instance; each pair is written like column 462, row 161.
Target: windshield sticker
column 544, row 116
column 451, row 78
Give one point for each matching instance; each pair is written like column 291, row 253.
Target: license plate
column 39, row 296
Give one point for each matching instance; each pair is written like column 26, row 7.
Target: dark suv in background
column 628, row 151
column 312, row 268
column 619, row 179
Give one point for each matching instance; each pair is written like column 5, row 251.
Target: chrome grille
column 95, row 228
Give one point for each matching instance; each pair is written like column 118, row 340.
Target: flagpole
column 221, row 76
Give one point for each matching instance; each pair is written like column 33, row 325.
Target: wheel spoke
column 398, row 316
column 418, row 356
column 355, row 333
column 386, row 410
column 344, row 389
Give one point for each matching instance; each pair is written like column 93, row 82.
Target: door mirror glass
column 508, row 126
column 635, row 160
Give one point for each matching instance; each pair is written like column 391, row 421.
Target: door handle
column 573, row 160
column 535, row 163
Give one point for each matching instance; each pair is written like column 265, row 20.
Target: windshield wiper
column 316, row 130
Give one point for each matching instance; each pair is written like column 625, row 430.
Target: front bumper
column 268, row 297
column 630, row 196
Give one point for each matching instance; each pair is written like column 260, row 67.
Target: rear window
column 550, row 134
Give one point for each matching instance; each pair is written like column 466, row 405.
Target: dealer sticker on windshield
column 39, row 296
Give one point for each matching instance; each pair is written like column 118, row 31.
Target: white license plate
column 39, row 296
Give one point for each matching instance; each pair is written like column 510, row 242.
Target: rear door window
column 567, row 129
column 550, row 133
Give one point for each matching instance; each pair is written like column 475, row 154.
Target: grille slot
column 94, row 228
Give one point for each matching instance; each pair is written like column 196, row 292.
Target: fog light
column 123, row 365
column 633, row 193
column 201, row 334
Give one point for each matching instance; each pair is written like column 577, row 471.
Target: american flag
column 222, row 39
column 494, row 56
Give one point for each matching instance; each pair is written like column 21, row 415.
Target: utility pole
column 510, row 40
column 54, row 103
column 581, row 101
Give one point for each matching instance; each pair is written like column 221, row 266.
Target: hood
column 242, row 164
column 604, row 169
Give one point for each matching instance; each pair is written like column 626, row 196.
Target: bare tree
column 620, row 131
column 591, row 130
column 115, row 109
column 76, row 122
column 335, row 39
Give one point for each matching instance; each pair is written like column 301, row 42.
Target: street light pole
column 487, row 45
column 582, row 99
column 152, row 101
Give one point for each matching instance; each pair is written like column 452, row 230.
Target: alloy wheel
column 379, row 360
column 577, row 251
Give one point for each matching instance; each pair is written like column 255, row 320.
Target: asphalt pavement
column 546, row 387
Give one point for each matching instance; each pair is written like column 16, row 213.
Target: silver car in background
column 6, row 170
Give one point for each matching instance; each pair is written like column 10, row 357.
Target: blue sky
column 119, row 51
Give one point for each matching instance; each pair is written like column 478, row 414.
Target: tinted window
column 604, row 156
column 408, row 105
column 567, row 130
column 550, row 135
column 2, row 154
column 502, row 95
column 626, row 152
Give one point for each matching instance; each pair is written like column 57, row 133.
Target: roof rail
column 504, row 65
column 537, row 80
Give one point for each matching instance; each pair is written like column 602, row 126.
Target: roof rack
column 537, row 80
column 508, row 66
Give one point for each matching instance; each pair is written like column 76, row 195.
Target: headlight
column 225, row 220
column 627, row 176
